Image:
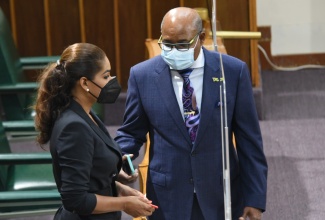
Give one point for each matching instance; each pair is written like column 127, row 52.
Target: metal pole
column 214, row 25
column 224, row 123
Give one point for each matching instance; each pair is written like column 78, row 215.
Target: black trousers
column 63, row 214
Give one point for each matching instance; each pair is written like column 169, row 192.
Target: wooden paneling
column 64, row 21
column 196, row 3
column 119, row 27
column 234, row 16
column 99, row 27
column 158, row 9
column 132, row 32
column 30, row 27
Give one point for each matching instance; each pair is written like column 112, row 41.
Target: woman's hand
column 129, row 200
column 124, row 177
column 124, row 190
column 137, row 206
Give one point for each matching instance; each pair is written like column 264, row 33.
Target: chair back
column 26, row 189
column 4, row 148
column 14, row 105
column 9, row 61
column 152, row 47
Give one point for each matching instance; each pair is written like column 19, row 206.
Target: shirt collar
column 199, row 62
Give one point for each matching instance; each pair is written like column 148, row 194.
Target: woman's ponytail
column 52, row 98
column 58, row 80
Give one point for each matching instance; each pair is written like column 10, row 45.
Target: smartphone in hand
column 128, row 166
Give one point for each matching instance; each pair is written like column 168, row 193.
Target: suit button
column 193, row 154
column 191, row 180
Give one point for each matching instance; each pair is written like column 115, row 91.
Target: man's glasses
column 179, row 46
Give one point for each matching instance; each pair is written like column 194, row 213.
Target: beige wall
column 297, row 26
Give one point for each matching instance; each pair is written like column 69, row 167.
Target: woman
column 86, row 160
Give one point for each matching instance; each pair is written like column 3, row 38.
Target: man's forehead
column 179, row 30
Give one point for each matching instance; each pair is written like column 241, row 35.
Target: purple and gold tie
column 191, row 110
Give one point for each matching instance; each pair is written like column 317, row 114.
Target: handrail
column 238, row 34
column 18, row 214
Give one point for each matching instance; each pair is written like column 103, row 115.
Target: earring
column 87, row 90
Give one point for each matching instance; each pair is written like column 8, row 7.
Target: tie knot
column 185, row 73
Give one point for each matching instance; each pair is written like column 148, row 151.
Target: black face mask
column 109, row 92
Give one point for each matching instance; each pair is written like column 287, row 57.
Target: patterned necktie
column 191, row 111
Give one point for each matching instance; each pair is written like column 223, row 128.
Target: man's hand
column 251, row 213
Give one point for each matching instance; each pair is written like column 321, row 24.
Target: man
column 185, row 171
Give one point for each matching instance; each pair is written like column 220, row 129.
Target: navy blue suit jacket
column 176, row 167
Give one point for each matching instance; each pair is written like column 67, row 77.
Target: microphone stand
column 224, row 123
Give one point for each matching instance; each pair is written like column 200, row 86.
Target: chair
column 16, row 105
column 143, row 170
column 16, row 94
column 27, row 185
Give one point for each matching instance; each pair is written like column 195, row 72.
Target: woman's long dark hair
column 57, row 81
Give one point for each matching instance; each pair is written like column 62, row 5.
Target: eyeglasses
column 178, row 46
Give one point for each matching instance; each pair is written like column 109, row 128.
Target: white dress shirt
column 196, row 78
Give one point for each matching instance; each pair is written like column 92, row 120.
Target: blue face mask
column 179, row 60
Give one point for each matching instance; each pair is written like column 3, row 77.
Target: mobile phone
column 128, row 166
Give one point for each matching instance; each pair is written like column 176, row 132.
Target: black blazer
column 86, row 161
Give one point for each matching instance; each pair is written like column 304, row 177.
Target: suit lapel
column 165, row 87
column 100, row 130
column 210, row 94
column 103, row 133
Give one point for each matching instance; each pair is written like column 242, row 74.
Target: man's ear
column 202, row 37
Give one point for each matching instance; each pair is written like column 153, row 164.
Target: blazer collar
column 210, row 93
column 100, row 130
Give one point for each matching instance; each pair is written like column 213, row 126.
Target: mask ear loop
column 88, row 90
column 95, row 84
column 92, row 94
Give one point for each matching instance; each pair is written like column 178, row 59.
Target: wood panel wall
column 119, row 27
